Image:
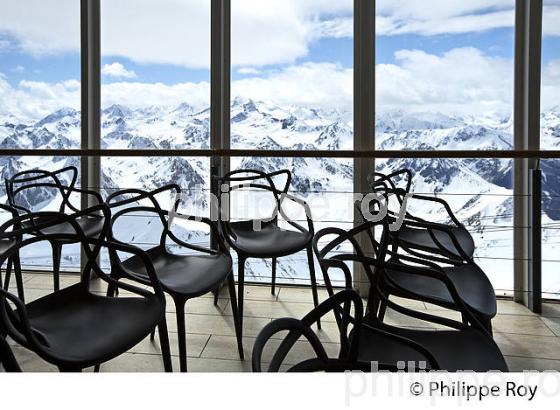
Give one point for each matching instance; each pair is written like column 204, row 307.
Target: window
column 550, row 139
column 429, row 98
column 292, row 89
column 40, row 100
column 156, row 95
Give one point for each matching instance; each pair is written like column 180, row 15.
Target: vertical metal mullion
column 526, row 133
column 90, row 33
column 220, row 56
column 364, row 110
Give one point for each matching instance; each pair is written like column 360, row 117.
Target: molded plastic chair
column 74, row 328
column 271, row 241
column 13, row 263
column 183, row 277
column 436, row 241
column 463, row 345
column 37, row 180
column 446, row 248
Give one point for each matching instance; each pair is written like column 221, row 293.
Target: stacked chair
column 365, row 339
column 447, row 245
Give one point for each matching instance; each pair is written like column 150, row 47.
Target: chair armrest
column 8, row 208
column 442, row 203
column 304, row 205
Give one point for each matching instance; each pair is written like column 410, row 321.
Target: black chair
column 459, row 346
column 74, row 328
column 399, row 184
column 183, row 277
column 270, row 241
column 472, row 284
column 46, row 185
column 12, row 263
column 7, row 358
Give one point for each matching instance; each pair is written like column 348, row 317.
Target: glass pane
column 292, row 89
column 40, row 100
column 550, row 139
column 444, row 81
column 156, row 93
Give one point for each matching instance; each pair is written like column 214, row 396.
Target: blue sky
column 291, row 46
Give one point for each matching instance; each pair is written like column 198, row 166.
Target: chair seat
column 421, row 238
column 6, row 244
column 85, row 329
column 471, row 283
column 188, row 275
column 454, row 350
column 91, row 226
column 271, row 241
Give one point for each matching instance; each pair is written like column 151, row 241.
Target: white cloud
column 117, row 70
column 144, row 94
column 418, row 81
column 18, row 69
column 551, row 19
column 32, row 100
column 446, row 83
column 550, row 91
column 312, row 84
column 443, row 16
column 248, row 71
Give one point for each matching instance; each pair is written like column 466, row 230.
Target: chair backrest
column 137, row 203
column 27, row 189
column 40, row 228
column 133, row 204
column 349, row 306
column 401, row 179
column 257, row 190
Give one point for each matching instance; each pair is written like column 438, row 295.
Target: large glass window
column 444, row 81
column 550, row 139
column 292, row 89
column 40, row 100
column 156, row 95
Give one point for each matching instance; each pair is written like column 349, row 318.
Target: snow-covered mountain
column 479, row 190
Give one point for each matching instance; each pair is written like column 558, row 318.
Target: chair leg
column 153, row 335
column 19, row 277
column 181, row 334
column 487, row 323
column 216, row 295
column 97, row 368
column 311, row 263
column 240, row 293
column 111, row 290
column 7, row 358
column 164, row 345
column 57, row 255
column 8, row 277
column 382, row 310
column 235, row 311
column 273, row 288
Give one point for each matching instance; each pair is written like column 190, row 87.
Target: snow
column 478, row 191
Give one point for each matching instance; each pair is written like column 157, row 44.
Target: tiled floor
column 528, row 341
